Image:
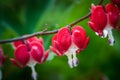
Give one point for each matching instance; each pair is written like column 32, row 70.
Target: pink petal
column 93, row 26
column 17, row 43
column 41, row 41
column 63, row 40
column 93, row 7
column 32, row 39
column 79, row 30
column 79, row 37
column 86, row 42
column 55, row 51
column 35, row 39
column 113, row 14
column 98, row 18
column 37, row 51
column 15, row 62
column 56, row 45
column 46, row 56
column 22, row 54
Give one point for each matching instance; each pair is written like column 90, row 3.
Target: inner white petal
column 34, row 73
column 110, row 35
column 75, row 60
column 71, row 54
column 70, row 61
column 111, row 38
column 105, row 33
column 32, row 64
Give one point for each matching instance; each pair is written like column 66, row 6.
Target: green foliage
column 20, row 17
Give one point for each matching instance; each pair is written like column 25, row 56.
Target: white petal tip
column 34, row 73
column 111, row 42
column 110, row 38
column 70, row 63
column 75, row 62
column 34, row 76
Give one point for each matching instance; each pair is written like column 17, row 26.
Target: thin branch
column 84, row 17
column 28, row 36
column 46, row 32
column 79, row 20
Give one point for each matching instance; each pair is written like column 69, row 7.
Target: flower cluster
column 28, row 53
column 69, row 43
column 103, row 20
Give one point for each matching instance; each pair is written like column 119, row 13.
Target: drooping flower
column 28, row 53
column 2, row 57
column 98, row 19
column 102, row 21
column 113, row 15
column 116, row 3
column 69, row 43
column 2, row 61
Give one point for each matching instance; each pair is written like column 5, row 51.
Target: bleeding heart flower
column 102, row 21
column 116, row 2
column 2, row 57
column 2, row 61
column 69, row 43
column 112, row 16
column 28, row 53
column 98, row 19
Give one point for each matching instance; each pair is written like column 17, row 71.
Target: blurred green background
column 19, row 17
